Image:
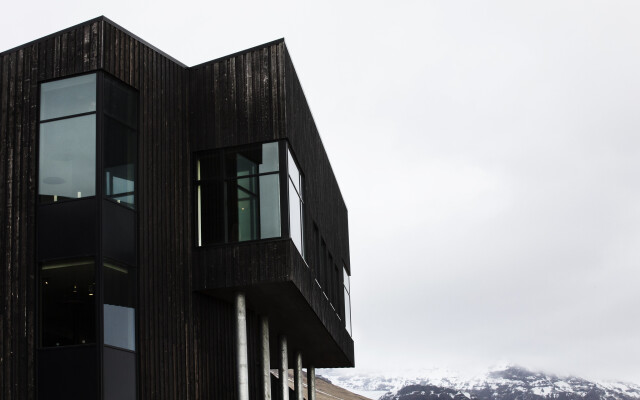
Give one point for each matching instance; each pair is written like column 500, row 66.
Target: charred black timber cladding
column 185, row 345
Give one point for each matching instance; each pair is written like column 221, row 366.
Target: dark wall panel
column 119, row 374
column 118, row 233
column 68, row 373
column 245, row 92
column 67, row 229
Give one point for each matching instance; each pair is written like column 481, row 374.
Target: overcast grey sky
column 488, row 152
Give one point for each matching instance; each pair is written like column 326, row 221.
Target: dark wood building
column 166, row 232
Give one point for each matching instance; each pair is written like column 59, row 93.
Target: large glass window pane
column 119, row 306
column 67, row 303
column 120, row 156
column 238, row 192
column 67, row 167
column 252, row 160
column 247, row 209
column 244, row 166
column 68, row 97
column 270, row 206
column 295, row 223
column 269, row 158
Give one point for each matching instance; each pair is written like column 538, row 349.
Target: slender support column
column 297, row 377
column 241, row 348
column 265, row 358
column 283, row 368
column 311, row 382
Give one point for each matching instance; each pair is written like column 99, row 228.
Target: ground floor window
column 67, row 303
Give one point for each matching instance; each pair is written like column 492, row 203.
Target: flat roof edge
column 102, row 18
column 138, row 38
column 237, row 53
column 60, row 32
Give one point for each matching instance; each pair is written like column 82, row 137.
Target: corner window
column 238, row 194
column 296, row 205
column 67, row 165
column 68, row 139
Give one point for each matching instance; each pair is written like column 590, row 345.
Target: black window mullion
column 44, row 121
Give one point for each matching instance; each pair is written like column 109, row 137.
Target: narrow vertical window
column 120, row 142
column 347, row 300
column 296, row 204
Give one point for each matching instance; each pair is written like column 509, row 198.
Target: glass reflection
column 296, row 205
column 295, row 223
column 68, row 97
column 247, row 178
column 246, row 209
column 120, row 157
column 119, row 306
column 270, row 206
column 67, row 166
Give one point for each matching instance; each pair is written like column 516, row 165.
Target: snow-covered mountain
column 506, row 383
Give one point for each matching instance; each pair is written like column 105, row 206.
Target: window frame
column 40, row 309
column 300, row 191
column 97, row 135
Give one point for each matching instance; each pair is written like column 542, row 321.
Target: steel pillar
column 311, row 383
column 297, row 377
column 283, row 368
column 241, row 347
column 265, row 358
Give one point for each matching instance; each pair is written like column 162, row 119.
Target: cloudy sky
column 488, row 152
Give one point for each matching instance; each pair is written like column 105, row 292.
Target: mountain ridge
column 505, row 383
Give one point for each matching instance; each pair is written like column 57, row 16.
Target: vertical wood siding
column 186, row 342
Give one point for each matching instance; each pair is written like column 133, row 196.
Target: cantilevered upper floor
column 269, row 216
